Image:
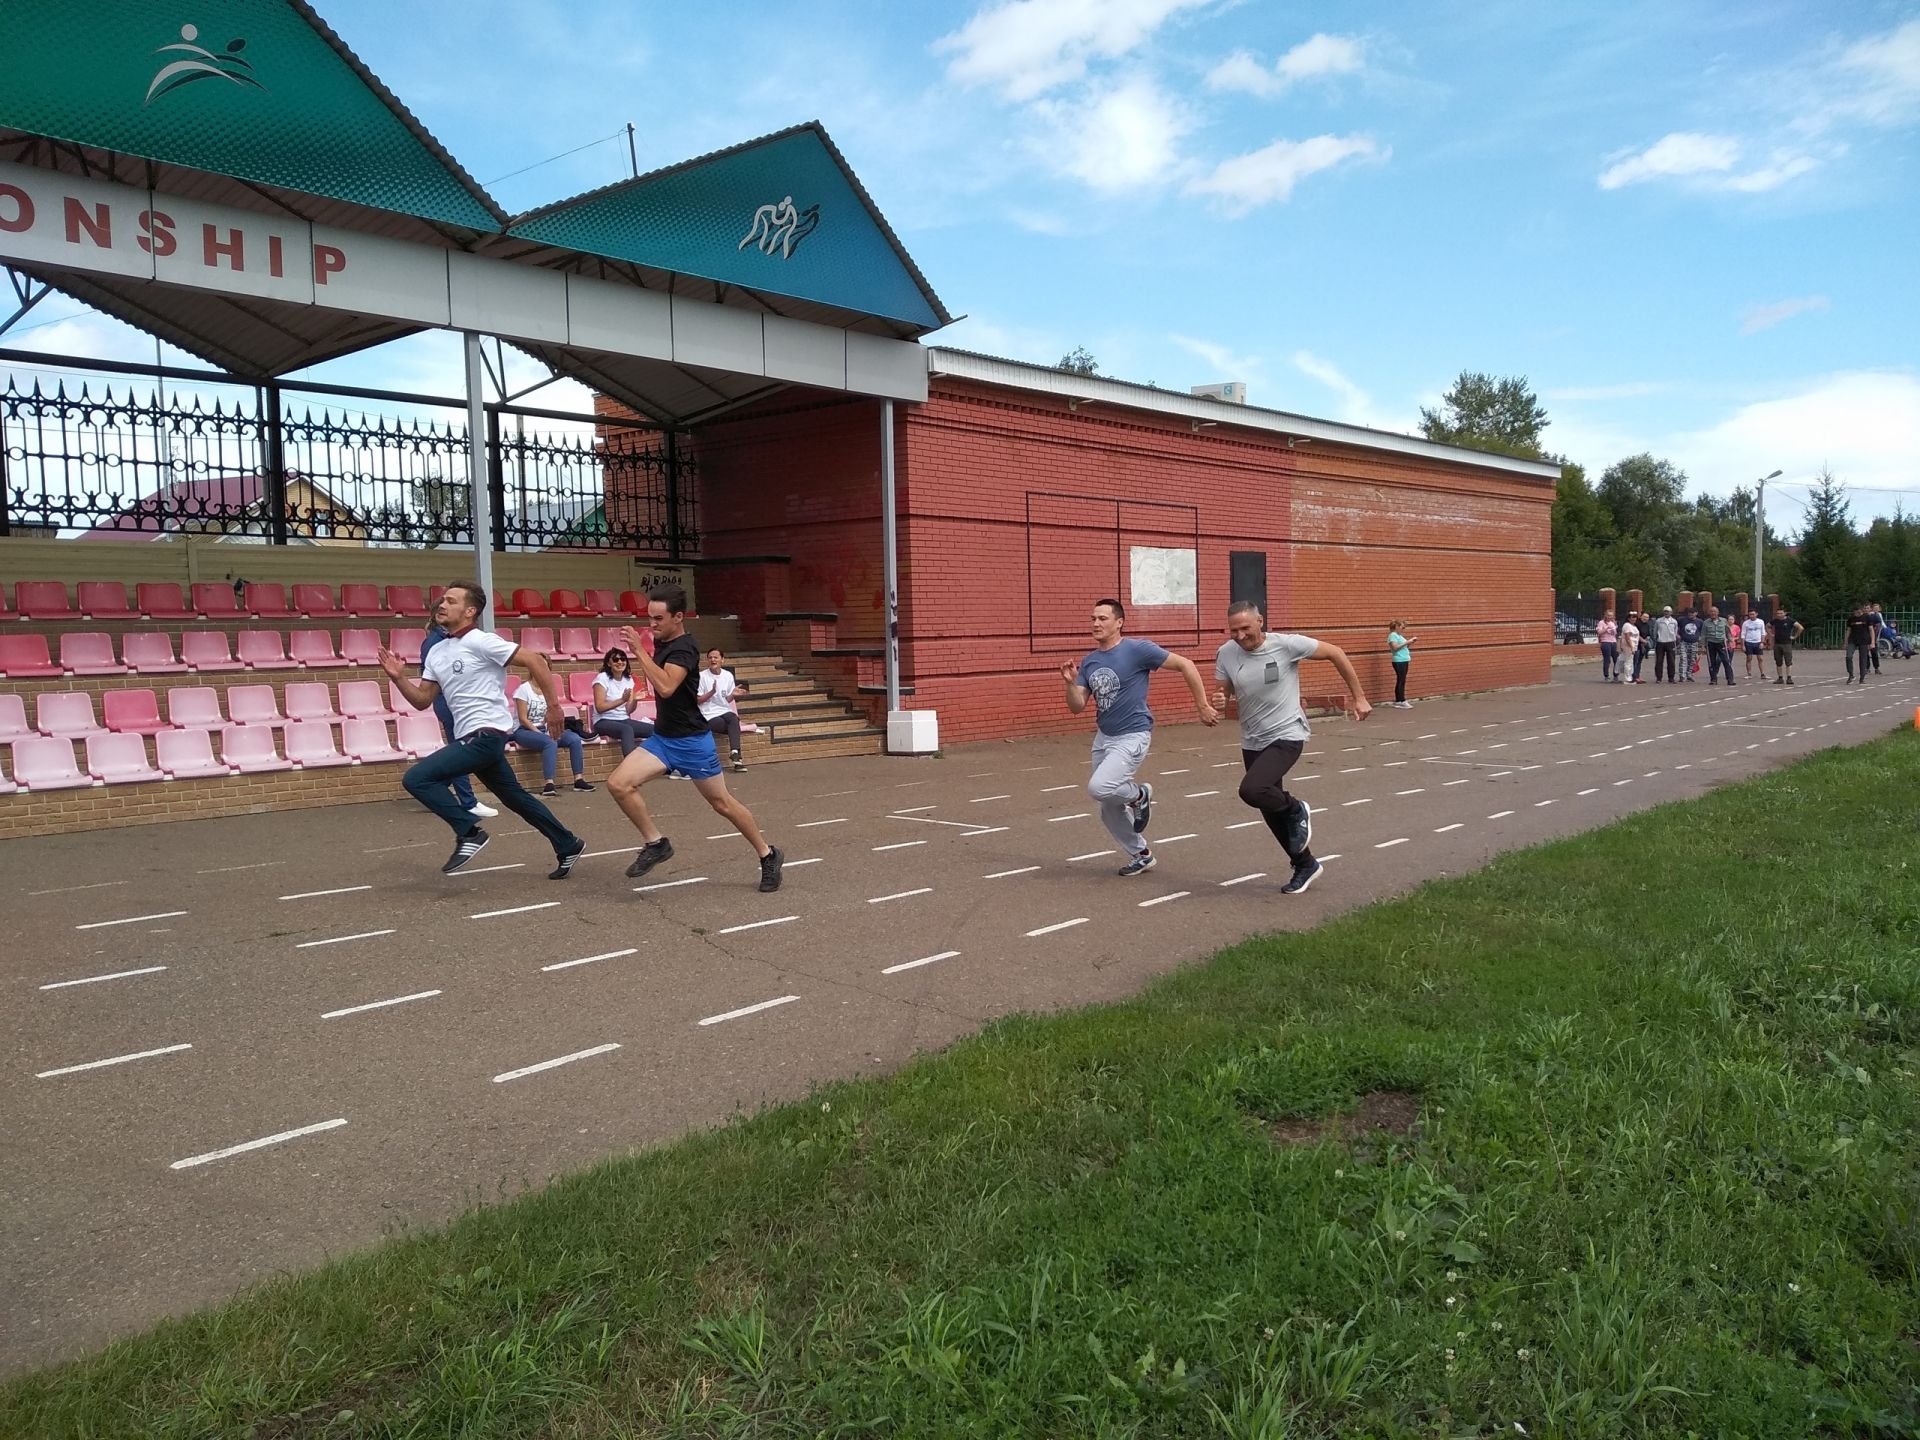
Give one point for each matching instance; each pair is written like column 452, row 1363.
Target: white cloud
column 1879, row 77
column 1116, row 139
column 1040, row 222
column 1680, row 154
column 1356, row 406
column 1222, row 363
column 1261, row 177
column 1312, row 58
column 1028, row 47
column 1764, row 317
column 1786, row 166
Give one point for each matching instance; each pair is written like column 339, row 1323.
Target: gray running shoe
column 649, row 856
column 1139, row 865
column 1142, row 809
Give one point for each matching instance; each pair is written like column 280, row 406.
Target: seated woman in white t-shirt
column 530, row 713
column 613, row 703
column 717, row 689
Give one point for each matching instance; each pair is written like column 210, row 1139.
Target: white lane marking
column 923, row 820
column 1467, row 781
column 1324, row 859
column 1063, row 925
column 1030, row 769
column 115, row 1060
column 1002, row 874
column 96, row 979
column 897, row 845
column 1244, row 824
column 1550, row 734
column 380, row 1004
column 723, row 835
column 341, row 939
column 1200, row 794
column 1090, row 855
column 316, row 894
column 1687, row 766
column 550, row 1064
column 487, row 870
column 913, row 809
column 1051, row 788
column 1501, row 746
column 834, row 794
column 1302, row 779
column 1499, row 815
column 1392, row 763
column 1467, row 752
column 1389, row 844
column 1243, row 879
column 97, row 885
column 982, row 799
column 796, row 864
column 513, row 910
column 1430, row 735
column 916, row 964
column 1627, row 781
column 1417, row 790
column 1173, row 772
column 130, row 920
column 982, row 774
column 1498, row 774
column 1224, row 764
column 1458, row 824
column 1169, row 839
column 583, row 960
column 383, row 849
column 669, row 884
column 910, row 784
column 816, row 824
column 259, row 1144
column 1592, row 790
column 596, row 854
column 1538, row 803
column 990, row 830
column 1346, row 804
column 1353, row 770
column 749, row 1010
column 1078, row 815
column 756, row 925
column 1163, row 899
column 900, row 895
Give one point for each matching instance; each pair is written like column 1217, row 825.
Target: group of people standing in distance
column 1675, row 643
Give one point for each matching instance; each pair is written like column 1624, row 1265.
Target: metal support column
column 276, row 458
column 496, row 483
column 480, row 501
column 889, row 547
column 670, row 449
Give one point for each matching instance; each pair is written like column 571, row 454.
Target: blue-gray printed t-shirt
column 1117, row 681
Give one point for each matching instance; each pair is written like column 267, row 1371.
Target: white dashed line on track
column 1389, row 844
column 913, row 810
column 130, row 920
column 671, row 884
column 1051, row 788
column 382, row 1004
column 1245, row 824
column 1499, row 815
column 1364, row 800
column 816, row 824
column 923, row 960
column 757, row 925
column 1003, row 874
column 111, row 975
column 342, row 939
column 556, row 1061
column 108, row 884
column 1417, row 790
column 982, row 799
column 1243, row 879
column 1200, row 794
column 113, row 1060
column 898, row 845
column 513, row 910
column 749, row 1009
column 1163, row 899
column 316, row 894
column 1090, row 855
column 900, row 895
column 1062, row 925
column 259, row 1144
column 586, row 960
column 1458, row 824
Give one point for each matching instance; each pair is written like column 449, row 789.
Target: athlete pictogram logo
column 196, row 62
column 779, row 229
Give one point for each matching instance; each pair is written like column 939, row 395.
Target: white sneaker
column 1403, row 704
column 483, row 810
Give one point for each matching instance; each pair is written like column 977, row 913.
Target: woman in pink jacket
column 1609, row 634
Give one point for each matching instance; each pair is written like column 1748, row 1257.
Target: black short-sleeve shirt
column 678, row 715
column 1860, row 631
column 1783, row 629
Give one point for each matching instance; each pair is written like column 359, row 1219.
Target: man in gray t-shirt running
column 1261, row 670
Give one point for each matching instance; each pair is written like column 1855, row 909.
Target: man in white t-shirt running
column 1260, row 669
column 469, row 669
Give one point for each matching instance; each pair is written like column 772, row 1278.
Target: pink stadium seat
column 162, row 601
column 310, row 700
column 150, row 652
column 119, row 759
column 363, row 601
column 398, row 704
column 537, row 637
column 194, row 707
column 360, row 647
column 25, row 655
column 133, row 712
column 312, row 648
column 207, row 650
column 249, row 749
column 316, row 602
column 568, row 604
column 265, row 600
column 600, row 602
column 252, row 705
column 104, row 600
column 504, row 632
column 434, row 592
column 7, row 612
column 44, row 763
column 215, row 600
column 13, row 719
column 644, row 710
column 263, row 650
column 43, row 600
column 606, row 638
column 406, row 600
column 361, row 700
column 365, row 739
column 418, row 733
column 66, row 713
column 186, row 754
column 89, row 652
column 580, row 686
column 310, row 745
column 575, row 643
column 7, row 787
column 406, row 644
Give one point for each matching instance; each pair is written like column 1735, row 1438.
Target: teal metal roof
column 781, row 215
column 258, row 89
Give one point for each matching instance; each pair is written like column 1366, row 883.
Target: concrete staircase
column 798, row 718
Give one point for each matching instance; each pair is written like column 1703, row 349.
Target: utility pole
column 1760, row 532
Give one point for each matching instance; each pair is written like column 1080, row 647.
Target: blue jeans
column 483, row 753
column 549, row 750
column 462, row 787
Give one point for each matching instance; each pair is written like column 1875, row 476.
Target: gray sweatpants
column 1688, row 655
column 1115, row 758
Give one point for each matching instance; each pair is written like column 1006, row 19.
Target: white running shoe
column 483, row 810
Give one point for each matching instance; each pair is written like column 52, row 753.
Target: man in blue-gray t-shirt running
column 1115, row 675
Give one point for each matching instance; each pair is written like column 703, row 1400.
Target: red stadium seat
column 26, row 655
column 43, row 600
column 361, row 700
column 44, row 763
column 406, row 644
column 67, row 713
column 406, row 600
column 89, row 652
column 575, row 643
column 503, row 609
column 194, row 707
column 538, row 637
column 600, row 602
column 207, row 650
column 418, row 733
column 249, row 749
column 150, row 652
column 569, row 605
column 133, row 712
column 312, row 648
column 7, row 612
column 263, row 650
column 187, row 754
column 310, row 745
column 316, row 602
column 215, row 600
column 365, row 739
column 252, row 705
column 606, row 638
column 104, row 600
column 504, row 632
column 265, row 600
column 633, row 602
column 13, row 719
column 310, row 700
column 162, row 601
column 580, row 687
column 363, row 602
column 533, row 605
column 360, row 647
column 119, row 760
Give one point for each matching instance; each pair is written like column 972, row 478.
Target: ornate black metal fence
column 121, row 459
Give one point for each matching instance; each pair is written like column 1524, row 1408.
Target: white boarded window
column 1164, row 577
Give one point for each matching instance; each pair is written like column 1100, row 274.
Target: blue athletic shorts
column 692, row 755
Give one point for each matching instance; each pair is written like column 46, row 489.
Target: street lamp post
column 1760, row 531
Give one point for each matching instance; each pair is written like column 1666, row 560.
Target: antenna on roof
column 633, row 156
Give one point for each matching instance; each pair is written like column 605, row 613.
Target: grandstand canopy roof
column 676, row 292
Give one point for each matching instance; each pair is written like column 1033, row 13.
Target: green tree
column 1583, row 534
column 1079, row 361
column 1828, row 577
column 1489, row 413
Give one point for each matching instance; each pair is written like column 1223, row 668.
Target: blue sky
column 1692, row 227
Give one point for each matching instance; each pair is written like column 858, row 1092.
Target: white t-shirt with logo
column 1753, row 630
column 536, row 704
column 471, row 671
column 716, row 693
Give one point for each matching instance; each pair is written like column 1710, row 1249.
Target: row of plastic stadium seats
column 150, row 652
column 69, row 714
column 219, row 600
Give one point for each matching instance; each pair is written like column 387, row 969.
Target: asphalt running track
column 232, row 1047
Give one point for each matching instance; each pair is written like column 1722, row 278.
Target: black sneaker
column 1139, row 865
column 583, row 784
column 649, row 856
column 1142, row 809
column 549, row 788
column 1299, row 828
column 1779, row 680
column 470, row 845
column 1303, row 876
column 770, row 864
column 737, row 764
column 563, row 866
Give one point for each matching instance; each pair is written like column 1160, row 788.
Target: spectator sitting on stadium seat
column 613, row 697
column 717, row 689
column 530, row 711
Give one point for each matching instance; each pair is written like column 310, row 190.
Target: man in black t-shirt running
column 680, row 741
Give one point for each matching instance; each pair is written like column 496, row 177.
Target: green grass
column 1665, row 1182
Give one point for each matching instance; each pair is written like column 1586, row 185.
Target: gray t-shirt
column 1266, row 681
column 1117, row 681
